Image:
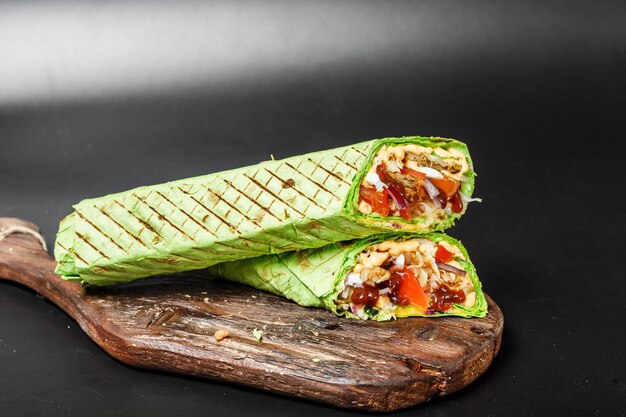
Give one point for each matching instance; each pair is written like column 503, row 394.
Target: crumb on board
column 316, row 360
column 258, row 334
column 220, row 334
column 206, row 300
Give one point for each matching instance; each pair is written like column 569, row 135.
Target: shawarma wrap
column 378, row 278
column 412, row 183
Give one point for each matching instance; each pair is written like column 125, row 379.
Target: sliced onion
column 354, row 280
column 432, row 192
column 397, row 197
column 400, row 260
column 383, row 291
column 374, row 180
column 435, row 158
column 345, row 293
column 467, row 199
column 450, row 268
column 430, row 172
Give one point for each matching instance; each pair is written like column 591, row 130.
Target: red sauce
column 394, row 290
column 367, row 295
column 444, row 297
column 441, row 197
column 456, row 203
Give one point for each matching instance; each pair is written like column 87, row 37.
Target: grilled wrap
column 308, row 201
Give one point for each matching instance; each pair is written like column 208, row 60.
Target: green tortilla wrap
column 301, row 202
column 319, row 277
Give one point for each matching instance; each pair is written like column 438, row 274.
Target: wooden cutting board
column 168, row 323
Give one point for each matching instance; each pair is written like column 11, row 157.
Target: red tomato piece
column 405, row 289
column 381, row 202
column 443, row 255
column 446, row 186
column 412, row 172
column 367, row 194
column 412, row 290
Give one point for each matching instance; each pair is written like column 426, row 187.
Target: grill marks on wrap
column 254, row 201
column 142, row 222
column 104, row 213
column 363, row 154
column 297, row 169
column 264, row 188
column 226, row 223
column 235, row 229
column 83, row 238
column 313, row 184
column 217, row 216
column 350, row 165
column 101, row 232
column 80, row 258
column 312, row 199
column 161, row 217
column 314, row 223
column 157, row 237
column 203, row 227
column 185, row 213
column 330, row 173
column 172, row 259
column 266, row 210
column 295, row 189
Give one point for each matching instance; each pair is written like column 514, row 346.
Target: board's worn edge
column 478, row 365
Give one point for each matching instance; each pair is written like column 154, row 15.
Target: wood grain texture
column 168, row 323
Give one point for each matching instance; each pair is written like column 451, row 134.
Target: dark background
column 98, row 97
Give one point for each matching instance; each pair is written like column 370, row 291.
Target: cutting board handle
column 11, row 225
column 25, row 260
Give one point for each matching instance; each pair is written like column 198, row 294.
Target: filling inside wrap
column 412, row 181
column 404, row 278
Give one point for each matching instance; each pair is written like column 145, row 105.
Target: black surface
column 98, row 97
